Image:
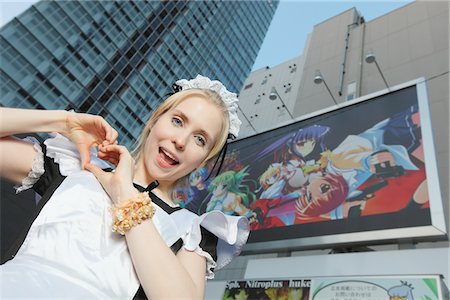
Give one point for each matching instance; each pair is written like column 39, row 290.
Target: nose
column 179, row 141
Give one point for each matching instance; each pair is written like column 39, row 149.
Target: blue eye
column 177, row 122
column 199, row 140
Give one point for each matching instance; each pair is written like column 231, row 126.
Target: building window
column 351, row 91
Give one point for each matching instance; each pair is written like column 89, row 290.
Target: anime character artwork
column 345, row 180
column 192, row 195
column 402, row 291
column 295, row 164
column 196, row 193
column 377, row 159
column 377, row 287
column 350, row 164
column 230, row 194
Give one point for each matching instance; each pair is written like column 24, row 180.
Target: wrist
column 125, row 194
column 65, row 122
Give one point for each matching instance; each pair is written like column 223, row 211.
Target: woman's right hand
column 87, row 131
column 118, row 184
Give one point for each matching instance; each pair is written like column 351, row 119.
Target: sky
column 292, row 22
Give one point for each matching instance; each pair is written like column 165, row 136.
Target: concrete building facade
column 268, row 96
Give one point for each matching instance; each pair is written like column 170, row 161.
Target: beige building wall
column 256, row 105
column 325, row 55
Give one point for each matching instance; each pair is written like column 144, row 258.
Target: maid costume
column 70, row 250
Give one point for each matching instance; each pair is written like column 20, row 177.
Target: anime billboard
column 360, row 167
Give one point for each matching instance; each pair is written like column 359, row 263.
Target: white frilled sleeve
column 37, row 168
column 232, row 233
column 64, row 153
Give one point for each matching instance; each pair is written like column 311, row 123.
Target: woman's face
column 181, row 139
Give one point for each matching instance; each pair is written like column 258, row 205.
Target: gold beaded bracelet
column 131, row 213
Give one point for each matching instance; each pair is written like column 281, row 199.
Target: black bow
column 151, row 186
column 176, row 88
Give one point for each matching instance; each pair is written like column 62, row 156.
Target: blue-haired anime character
column 198, row 188
column 307, row 143
column 190, row 194
column 304, row 147
column 230, row 195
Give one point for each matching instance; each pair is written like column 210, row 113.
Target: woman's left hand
column 118, row 184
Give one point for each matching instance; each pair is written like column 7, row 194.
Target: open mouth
column 167, row 157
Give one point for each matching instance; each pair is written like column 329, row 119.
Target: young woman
column 75, row 247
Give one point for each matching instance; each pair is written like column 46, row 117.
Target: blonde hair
column 271, row 170
column 172, row 102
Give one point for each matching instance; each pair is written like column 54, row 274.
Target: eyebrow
column 186, row 118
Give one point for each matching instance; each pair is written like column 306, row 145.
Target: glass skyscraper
column 119, row 58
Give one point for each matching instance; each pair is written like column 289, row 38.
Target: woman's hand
column 118, row 184
column 87, row 131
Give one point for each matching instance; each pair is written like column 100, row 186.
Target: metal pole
column 248, row 120
column 381, row 73
column 329, row 91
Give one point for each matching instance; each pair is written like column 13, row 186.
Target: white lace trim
column 37, row 169
column 230, row 99
column 210, row 263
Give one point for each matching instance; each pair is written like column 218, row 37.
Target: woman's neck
column 163, row 190
column 165, row 195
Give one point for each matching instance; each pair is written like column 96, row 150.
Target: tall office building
column 120, row 58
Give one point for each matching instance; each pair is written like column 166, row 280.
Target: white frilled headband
column 230, row 99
